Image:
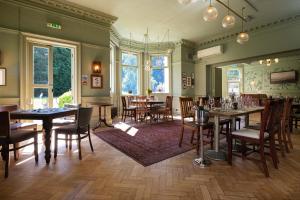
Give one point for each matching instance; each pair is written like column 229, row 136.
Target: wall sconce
column 96, row 67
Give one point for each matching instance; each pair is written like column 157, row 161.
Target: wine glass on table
column 211, row 102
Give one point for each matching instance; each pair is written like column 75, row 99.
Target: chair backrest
column 169, row 102
column 217, row 101
column 124, row 103
column 4, row 125
column 203, row 101
column 271, row 117
column 84, row 118
column 288, row 103
column 186, row 105
column 141, row 97
column 8, row 108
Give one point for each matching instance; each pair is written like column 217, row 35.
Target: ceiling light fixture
column 146, row 50
column 243, row 36
column 170, row 50
column 210, row 13
column 228, row 20
column 269, row 61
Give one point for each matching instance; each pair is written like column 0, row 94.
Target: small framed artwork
column 84, row 79
column 96, row 81
column 183, row 77
column 188, row 81
column 2, row 76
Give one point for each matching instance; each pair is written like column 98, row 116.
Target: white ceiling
column 184, row 21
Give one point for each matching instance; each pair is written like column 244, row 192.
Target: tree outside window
column 129, row 73
column 159, row 74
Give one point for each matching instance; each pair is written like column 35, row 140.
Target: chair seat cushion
column 62, row 122
column 19, row 125
column 70, row 128
column 19, row 135
column 249, row 133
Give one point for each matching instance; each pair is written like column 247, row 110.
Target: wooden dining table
column 217, row 113
column 46, row 115
column 151, row 104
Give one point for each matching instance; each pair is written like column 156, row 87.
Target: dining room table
column 232, row 114
column 150, row 104
column 46, row 115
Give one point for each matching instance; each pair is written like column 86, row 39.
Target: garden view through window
column 159, row 74
column 129, row 73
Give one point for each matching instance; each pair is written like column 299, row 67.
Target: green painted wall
column 257, row 78
column 33, row 20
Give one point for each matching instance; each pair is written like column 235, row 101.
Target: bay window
column 129, row 73
column 159, row 76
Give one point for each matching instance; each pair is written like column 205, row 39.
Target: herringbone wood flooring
column 110, row 174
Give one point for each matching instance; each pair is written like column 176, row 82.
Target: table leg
column 247, row 120
column 47, row 126
column 216, row 154
column 201, row 161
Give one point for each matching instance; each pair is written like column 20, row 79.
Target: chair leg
column 55, row 145
column 2, row 152
column 198, row 141
column 91, row 145
column 70, row 142
column 79, row 146
column 181, row 136
column 5, row 150
column 281, row 134
column 36, row 155
column 288, row 133
column 15, row 152
column 66, row 140
column 273, row 152
column 263, row 160
column 192, row 138
column 229, row 149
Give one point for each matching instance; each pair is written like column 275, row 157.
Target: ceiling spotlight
column 184, row 2
column 228, row 20
column 210, row 13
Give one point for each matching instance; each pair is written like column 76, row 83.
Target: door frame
column 25, row 40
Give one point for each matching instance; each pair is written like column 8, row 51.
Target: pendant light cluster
column 146, row 50
column 211, row 14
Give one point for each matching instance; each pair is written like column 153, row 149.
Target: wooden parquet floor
column 109, row 174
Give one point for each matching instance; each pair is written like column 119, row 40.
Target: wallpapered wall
column 257, row 78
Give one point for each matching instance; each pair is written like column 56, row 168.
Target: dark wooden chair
column 15, row 136
column 186, row 105
column 166, row 110
column 128, row 111
column 81, row 129
column 270, row 124
column 285, row 125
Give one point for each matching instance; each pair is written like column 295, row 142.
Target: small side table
column 201, row 161
column 103, row 120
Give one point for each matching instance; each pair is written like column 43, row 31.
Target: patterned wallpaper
column 257, row 78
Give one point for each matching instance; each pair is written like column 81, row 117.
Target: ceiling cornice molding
column 70, row 9
column 262, row 27
column 115, row 36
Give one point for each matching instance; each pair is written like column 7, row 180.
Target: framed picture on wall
column 2, row 76
column 96, row 81
column 188, row 81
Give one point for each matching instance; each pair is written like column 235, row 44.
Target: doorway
column 51, row 74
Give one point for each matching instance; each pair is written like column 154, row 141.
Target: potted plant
column 149, row 91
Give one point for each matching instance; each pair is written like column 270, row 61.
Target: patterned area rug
column 148, row 143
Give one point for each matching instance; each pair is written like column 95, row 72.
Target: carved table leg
column 47, row 126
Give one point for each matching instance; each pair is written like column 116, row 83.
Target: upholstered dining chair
column 186, row 105
column 270, row 124
column 127, row 109
column 81, row 130
column 9, row 136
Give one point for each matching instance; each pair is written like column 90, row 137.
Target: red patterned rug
column 148, row 143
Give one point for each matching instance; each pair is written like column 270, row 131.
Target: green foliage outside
column 65, row 98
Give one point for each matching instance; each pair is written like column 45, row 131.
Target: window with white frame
column 160, row 74
column 233, row 78
column 129, row 73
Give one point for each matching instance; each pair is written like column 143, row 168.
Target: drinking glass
column 211, row 102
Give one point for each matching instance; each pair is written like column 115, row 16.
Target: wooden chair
column 142, row 108
column 166, row 110
column 17, row 124
column 285, row 125
column 81, row 129
column 186, row 105
column 9, row 136
column 128, row 111
column 270, row 124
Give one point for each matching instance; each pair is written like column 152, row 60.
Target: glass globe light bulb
column 228, row 21
column 147, row 66
column 210, row 14
column 242, row 38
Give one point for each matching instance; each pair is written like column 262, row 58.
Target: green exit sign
column 54, row 26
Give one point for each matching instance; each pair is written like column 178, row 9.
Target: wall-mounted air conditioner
column 212, row 51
